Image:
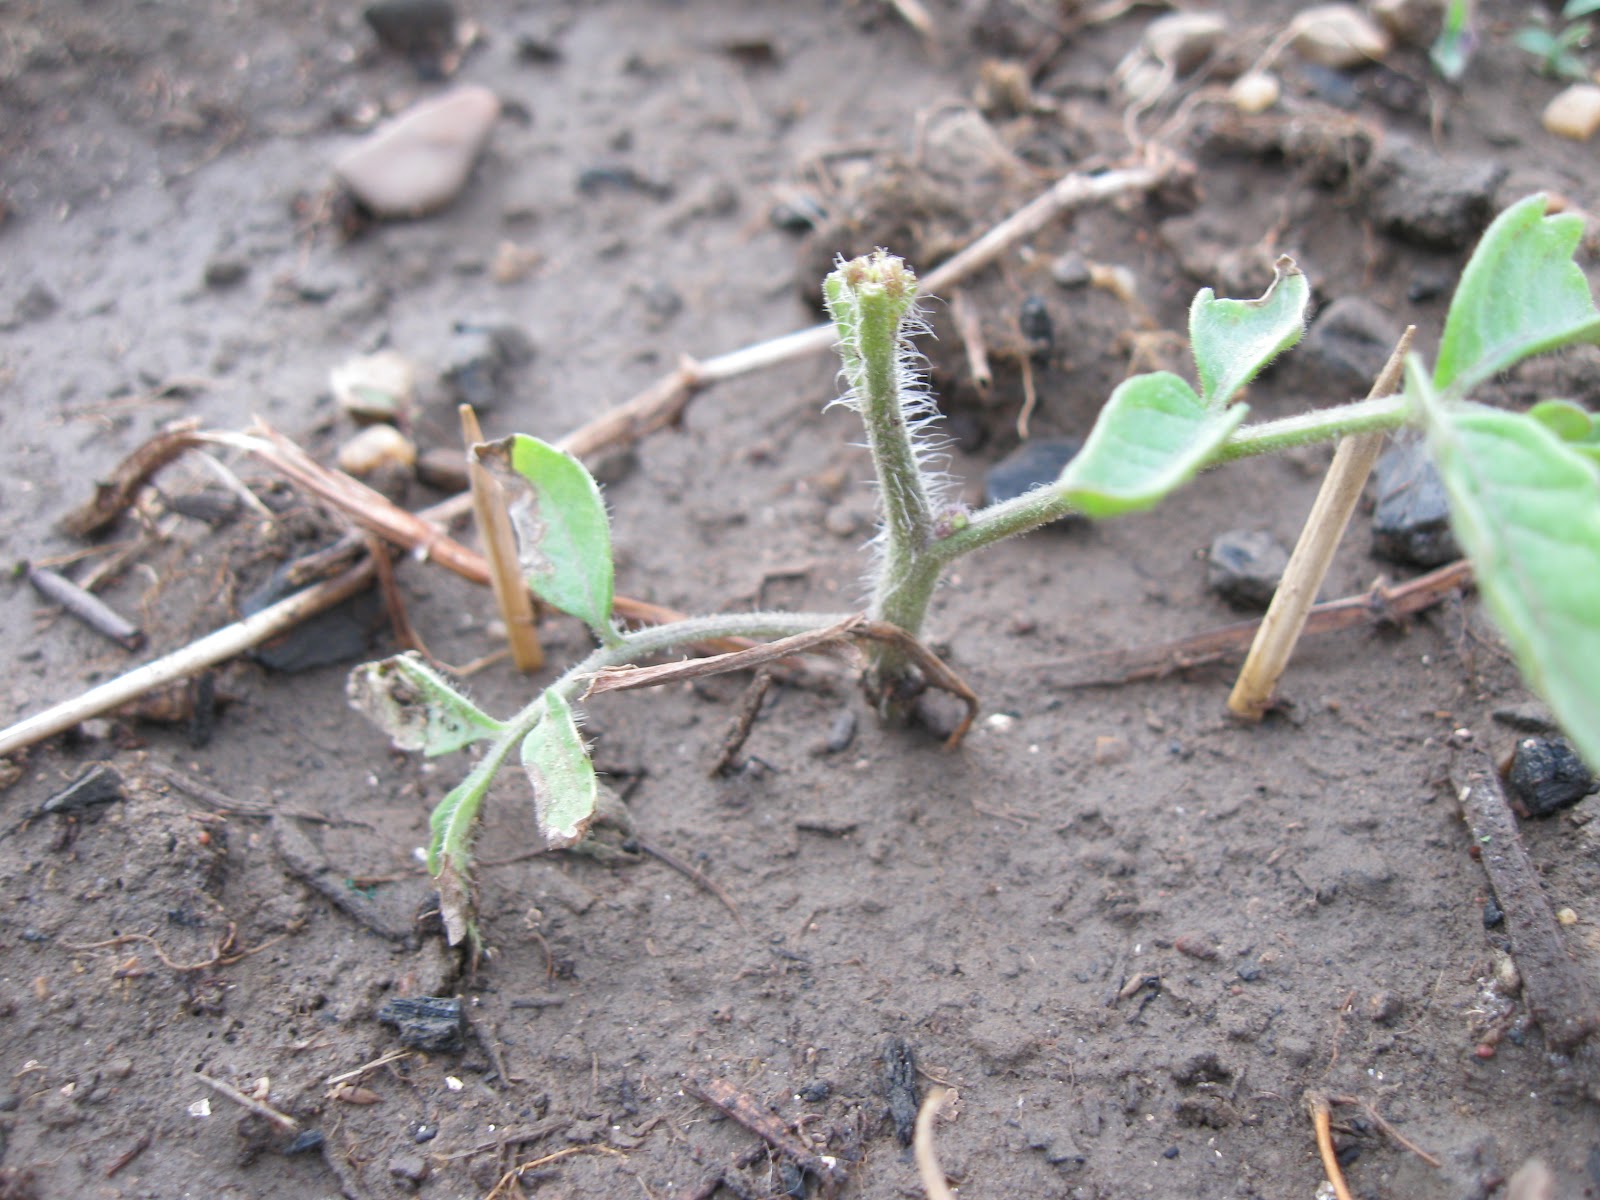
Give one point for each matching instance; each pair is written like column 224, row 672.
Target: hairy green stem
column 1046, row 504
column 871, row 300
column 1269, row 437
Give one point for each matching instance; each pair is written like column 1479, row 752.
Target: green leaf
column 1152, row 436
column 1526, row 509
column 1520, row 294
column 1569, row 421
column 1233, row 340
column 417, row 707
column 558, row 766
column 1573, row 9
column 1572, row 423
column 453, row 822
column 1452, row 49
column 563, row 535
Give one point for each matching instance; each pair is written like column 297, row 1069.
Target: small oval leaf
column 558, row 766
column 1153, row 435
column 563, row 534
column 1232, row 340
column 417, row 707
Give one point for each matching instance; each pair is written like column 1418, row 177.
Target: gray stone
column 480, row 361
column 1411, row 523
column 422, row 30
column 1348, row 345
column 1030, row 465
column 408, row 1168
column 1071, row 270
column 1430, row 201
column 1244, row 566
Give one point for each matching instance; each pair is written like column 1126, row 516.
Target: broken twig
column 743, row 720
column 500, row 552
column 1321, row 1124
column 1382, row 603
column 260, row 1108
column 1313, row 554
column 759, row 1120
column 85, row 606
column 618, row 679
column 208, row 651
column 1557, row 994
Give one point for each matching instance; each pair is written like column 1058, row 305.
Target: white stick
column 195, row 657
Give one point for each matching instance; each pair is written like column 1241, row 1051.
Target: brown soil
column 1298, row 898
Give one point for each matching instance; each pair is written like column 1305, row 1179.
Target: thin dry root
column 928, row 1168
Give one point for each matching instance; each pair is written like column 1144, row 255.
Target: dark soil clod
column 100, row 784
column 435, row 1024
column 900, row 1087
column 1546, row 776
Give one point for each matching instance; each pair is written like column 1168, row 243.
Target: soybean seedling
column 1524, row 490
column 1557, row 49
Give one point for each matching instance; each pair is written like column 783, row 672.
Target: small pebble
column 1032, row 464
column 1411, row 522
column 1574, row 113
column 422, row 30
column 512, row 263
column 1254, row 92
column 224, row 272
column 1337, row 35
column 1070, row 270
column 374, row 387
column 841, row 731
column 443, row 469
column 1385, row 1008
column 1244, row 566
column 1109, row 751
column 1038, row 330
column 480, row 361
column 1331, row 86
column 797, row 212
column 1348, row 344
column 1414, row 21
column 1547, row 775
column 841, row 522
column 1439, row 203
column 375, row 447
column 1170, row 1152
column 304, row 1142
column 1195, row 945
column 1184, row 39
column 409, row 1168
column 419, row 162
column 1249, row 972
column 1493, row 914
